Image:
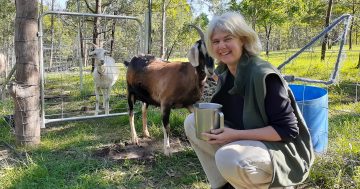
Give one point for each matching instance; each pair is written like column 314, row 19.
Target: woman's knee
column 189, row 124
column 233, row 160
column 225, row 160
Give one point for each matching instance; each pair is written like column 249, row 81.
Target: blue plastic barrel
column 313, row 103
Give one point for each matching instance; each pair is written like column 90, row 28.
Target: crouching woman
column 265, row 143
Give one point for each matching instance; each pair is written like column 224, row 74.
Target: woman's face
column 227, row 47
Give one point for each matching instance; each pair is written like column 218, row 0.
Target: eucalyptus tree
column 25, row 90
column 107, row 28
column 249, row 9
column 264, row 13
column 187, row 35
column 7, row 14
column 350, row 7
column 178, row 16
column 327, row 22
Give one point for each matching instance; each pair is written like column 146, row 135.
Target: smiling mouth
column 225, row 53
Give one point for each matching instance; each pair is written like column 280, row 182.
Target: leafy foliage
column 68, row 156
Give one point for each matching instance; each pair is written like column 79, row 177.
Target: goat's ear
column 193, row 55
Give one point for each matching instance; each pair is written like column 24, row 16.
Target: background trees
column 281, row 24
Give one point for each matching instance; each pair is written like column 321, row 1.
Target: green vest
column 291, row 160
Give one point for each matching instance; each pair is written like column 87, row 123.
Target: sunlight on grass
column 67, row 156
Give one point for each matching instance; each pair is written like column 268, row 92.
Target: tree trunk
column 356, row 36
column 163, row 30
column 351, row 26
column 25, row 90
column 149, row 41
column 96, row 32
column 268, row 31
column 81, row 36
column 327, row 21
column 52, row 35
column 113, row 27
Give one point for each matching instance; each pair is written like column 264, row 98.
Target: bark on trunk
column 52, row 35
column 268, row 31
column 96, row 32
column 25, row 90
column 351, row 26
column 326, row 36
column 163, row 30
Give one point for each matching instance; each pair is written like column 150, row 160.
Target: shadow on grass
column 96, row 154
column 104, row 168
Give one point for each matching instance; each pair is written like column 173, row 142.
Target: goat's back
column 157, row 82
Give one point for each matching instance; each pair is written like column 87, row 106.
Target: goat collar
column 100, row 70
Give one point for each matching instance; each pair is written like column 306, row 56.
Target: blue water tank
column 313, row 103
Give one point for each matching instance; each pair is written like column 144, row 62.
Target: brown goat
column 168, row 85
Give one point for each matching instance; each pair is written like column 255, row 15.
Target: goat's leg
column 106, row 97
column 165, row 113
column 97, row 98
column 103, row 98
column 144, row 119
column 131, row 102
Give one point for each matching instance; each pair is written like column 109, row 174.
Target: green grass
column 71, row 154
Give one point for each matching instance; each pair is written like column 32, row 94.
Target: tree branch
column 107, row 4
column 88, row 6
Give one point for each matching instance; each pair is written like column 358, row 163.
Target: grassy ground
column 96, row 154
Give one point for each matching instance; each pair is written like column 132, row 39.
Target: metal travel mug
column 208, row 116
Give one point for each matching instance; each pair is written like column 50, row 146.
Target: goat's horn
column 199, row 31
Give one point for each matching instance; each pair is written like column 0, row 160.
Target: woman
column 265, row 143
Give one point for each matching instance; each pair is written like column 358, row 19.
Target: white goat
column 105, row 75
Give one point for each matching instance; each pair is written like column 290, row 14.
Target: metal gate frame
column 144, row 46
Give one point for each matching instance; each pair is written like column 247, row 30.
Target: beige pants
column 244, row 164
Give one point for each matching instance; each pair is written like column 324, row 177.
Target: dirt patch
column 146, row 149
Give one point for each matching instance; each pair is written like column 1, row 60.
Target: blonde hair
column 235, row 24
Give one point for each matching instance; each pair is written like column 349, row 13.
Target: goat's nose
column 102, row 62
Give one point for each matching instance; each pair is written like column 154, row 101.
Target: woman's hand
column 222, row 135
column 227, row 135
